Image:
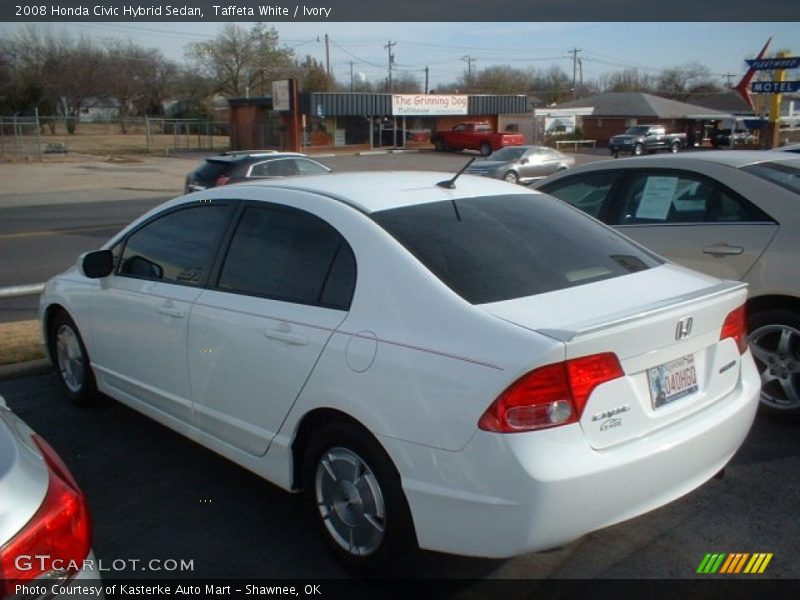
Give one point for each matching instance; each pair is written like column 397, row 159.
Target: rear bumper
column 505, row 495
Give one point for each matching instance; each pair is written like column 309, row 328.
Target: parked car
column 793, row 148
column 521, row 164
column 475, row 136
column 641, row 139
column 454, row 364
column 722, row 139
column 235, row 167
column 45, row 528
column 731, row 214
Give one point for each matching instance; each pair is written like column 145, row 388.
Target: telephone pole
column 469, row 60
column 574, row 53
column 389, row 45
column 427, row 73
column 327, row 57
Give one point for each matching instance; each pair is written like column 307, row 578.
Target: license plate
column 672, row 381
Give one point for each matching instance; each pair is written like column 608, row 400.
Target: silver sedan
column 521, row 164
column 733, row 215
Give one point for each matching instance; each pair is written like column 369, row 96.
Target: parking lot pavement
column 155, row 495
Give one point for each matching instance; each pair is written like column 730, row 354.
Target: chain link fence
column 25, row 138
column 20, row 138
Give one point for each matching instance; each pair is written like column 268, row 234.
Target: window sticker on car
column 657, row 198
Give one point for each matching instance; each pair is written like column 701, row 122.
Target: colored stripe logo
column 734, row 563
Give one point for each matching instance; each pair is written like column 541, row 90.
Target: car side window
column 670, row 197
column 284, row 167
column 308, row 167
column 177, row 247
column 588, row 192
column 291, row 255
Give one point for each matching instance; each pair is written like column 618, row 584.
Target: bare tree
column 676, row 82
column 627, row 80
column 238, row 60
column 312, row 76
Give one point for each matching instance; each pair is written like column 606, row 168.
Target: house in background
column 612, row 113
column 97, row 110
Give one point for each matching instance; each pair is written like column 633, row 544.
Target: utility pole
column 728, row 77
column 469, row 60
column 574, row 53
column 327, row 57
column 427, row 73
column 389, row 45
column 351, row 75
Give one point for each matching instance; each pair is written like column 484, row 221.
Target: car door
column 284, row 286
column 140, row 313
column 692, row 219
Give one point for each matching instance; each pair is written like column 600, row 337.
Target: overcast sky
column 604, row 47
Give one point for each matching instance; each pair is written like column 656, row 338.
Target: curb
column 25, row 369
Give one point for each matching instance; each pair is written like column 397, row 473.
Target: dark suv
column 235, row 167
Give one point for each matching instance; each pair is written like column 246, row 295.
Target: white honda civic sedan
column 463, row 365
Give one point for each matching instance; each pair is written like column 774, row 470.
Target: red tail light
column 735, row 327
column 222, row 180
column 551, row 395
column 58, row 536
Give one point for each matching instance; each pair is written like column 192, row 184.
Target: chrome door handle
column 723, row 250
column 286, row 336
column 171, row 310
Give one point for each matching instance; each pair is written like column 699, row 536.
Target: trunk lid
column 663, row 324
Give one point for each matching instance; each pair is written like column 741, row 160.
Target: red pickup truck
column 475, row 136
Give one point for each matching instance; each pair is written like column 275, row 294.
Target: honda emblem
column 684, row 328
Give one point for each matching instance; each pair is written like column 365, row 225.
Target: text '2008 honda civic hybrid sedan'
column 460, row 364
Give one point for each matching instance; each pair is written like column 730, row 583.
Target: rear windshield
column 213, row 170
column 785, row 174
column 497, row 248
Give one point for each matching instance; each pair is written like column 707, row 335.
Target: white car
column 464, row 365
column 45, row 527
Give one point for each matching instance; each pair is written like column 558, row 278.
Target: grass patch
column 20, row 342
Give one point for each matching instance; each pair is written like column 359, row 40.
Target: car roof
column 242, row 157
column 381, row 190
column 730, row 158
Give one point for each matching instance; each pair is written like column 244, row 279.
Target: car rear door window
column 653, row 197
column 177, row 247
column 588, row 192
column 288, row 254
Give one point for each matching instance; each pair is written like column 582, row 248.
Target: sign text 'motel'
column 771, row 64
column 774, row 87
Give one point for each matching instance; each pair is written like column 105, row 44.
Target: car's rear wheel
column 357, row 499
column 486, row 149
column 774, row 340
column 511, row 177
column 674, row 147
column 638, row 149
column 440, row 145
column 71, row 361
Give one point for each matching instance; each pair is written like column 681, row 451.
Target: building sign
column 774, row 87
column 428, row 104
column 772, row 64
column 281, row 98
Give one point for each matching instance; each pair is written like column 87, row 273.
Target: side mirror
column 97, row 264
column 524, row 161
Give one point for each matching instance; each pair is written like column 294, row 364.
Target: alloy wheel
column 776, row 349
column 350, row 501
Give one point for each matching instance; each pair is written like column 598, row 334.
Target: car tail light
column 222, row 180
column 735, row 327
column 551, row 395
column 57, row 538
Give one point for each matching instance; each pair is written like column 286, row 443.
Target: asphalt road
column 155, row 495
column 43, row 233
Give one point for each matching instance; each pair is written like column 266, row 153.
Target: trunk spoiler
column 621, row 318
